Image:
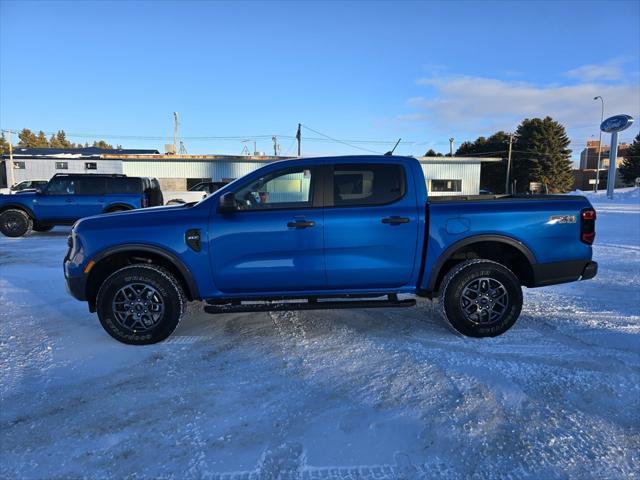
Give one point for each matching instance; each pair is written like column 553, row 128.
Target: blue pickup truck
column 320, row 233
column 69, row 197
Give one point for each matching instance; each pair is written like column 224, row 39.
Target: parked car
column 194, row 194
column 208, row 187
column 69, row 197
column 328, row 233
column 22, row 186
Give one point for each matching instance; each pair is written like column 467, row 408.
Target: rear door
column 274, row 242
column 89, row 197
column 371, row 226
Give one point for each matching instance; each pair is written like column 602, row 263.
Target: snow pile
column 620, row 195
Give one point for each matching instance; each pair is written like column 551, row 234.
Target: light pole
column 595, row 189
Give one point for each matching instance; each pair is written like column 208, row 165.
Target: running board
column 310, row 305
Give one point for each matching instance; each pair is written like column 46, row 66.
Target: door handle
column 301, row 224
column 395, row 220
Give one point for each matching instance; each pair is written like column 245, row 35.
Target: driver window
column 290, row 188
column 61, row 186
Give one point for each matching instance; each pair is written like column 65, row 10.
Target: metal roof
column 86, row 152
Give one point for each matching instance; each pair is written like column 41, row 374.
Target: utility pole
column 276, row 147
column 175, row 132
column 595, row 189
column 451, row 140
column 13, row 178
column 506, row 183
column 299, row 137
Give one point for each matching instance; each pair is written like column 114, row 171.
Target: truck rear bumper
column 563, row 272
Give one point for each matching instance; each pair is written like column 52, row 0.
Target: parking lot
column 328, row 394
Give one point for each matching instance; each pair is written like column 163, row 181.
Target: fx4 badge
column 562, row 219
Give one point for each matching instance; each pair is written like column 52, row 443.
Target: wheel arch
column 119, row 206
column 502, row 249
column 114, row 258
column 18, row 206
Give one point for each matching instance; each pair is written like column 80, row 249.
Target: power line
column 341, row 141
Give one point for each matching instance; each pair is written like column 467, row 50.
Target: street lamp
column 595, row 189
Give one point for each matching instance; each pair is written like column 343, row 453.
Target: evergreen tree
column 541, row 154
column 492, row 174
column 102, row 144
column 630, row 167
column 432, row 153
column 41, row 140
column 59, row 140
column 4, row 145
column 29, row 139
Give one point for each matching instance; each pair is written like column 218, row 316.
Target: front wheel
column 140, row 304
column 481, row 298
column 15, row 223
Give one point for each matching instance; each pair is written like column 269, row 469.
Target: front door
column 56, row 203
column 274, row 241
column 371, row 227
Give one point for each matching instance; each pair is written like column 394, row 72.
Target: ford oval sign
column 616, row 123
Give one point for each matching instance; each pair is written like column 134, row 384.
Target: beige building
column 589, row 155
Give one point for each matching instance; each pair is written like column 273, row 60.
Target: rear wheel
column 140, row 304
column 481, row 298
column 117, row 209
column 15, row 223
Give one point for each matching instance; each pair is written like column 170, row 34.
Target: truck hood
column 22, row 194
column 142, row 219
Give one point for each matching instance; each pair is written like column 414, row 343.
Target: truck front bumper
column 563, row 272
column 76, row 287
column 74, row 277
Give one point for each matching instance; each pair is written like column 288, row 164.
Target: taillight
column 588, row 225
column 145, row 200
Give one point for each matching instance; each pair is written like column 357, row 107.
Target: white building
column 444, row 175
column 44, row 163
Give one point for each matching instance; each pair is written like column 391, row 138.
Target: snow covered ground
column 385, row 394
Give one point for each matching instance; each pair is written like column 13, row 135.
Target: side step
column 312, row 304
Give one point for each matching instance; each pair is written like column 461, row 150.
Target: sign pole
column 613, row 125
column 613, row 154
column 13, row 177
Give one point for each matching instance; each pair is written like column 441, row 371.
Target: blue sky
column 423, row 71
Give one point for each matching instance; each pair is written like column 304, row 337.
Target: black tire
column 481, row 298
column 117, row 209
column 42, row 228
column 150, row 290
column 15, row 223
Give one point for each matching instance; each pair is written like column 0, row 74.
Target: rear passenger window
column 363, row 185
column 124, row 185
column 90, row 186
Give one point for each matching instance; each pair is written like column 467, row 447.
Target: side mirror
column 39, row 190
column 227, row 203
